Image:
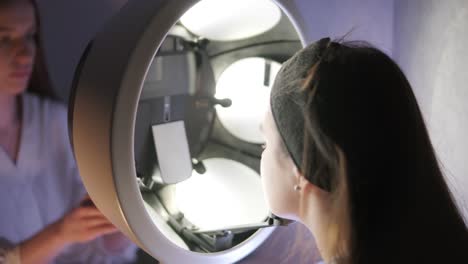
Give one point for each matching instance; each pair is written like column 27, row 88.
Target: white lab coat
column 44, row 183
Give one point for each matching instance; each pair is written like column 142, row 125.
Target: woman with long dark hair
column 41, row 218
column 348, row 155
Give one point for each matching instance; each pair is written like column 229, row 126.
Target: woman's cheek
column 267, row 183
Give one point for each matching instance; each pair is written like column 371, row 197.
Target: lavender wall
column 430, row 40
column 67, row 27
column 369, row 20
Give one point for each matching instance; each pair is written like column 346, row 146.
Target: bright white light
column 244, row 83
column 228, row 194
column 227, row 20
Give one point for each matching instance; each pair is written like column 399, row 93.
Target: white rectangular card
column 172, row 149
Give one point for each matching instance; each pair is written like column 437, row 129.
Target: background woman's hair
column 392, row 205
column 40, row 80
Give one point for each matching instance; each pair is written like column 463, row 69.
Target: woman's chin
column 285, row 215
column 14, row 87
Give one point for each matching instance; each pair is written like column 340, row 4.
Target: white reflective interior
column 244, row 83
column 227, row 194
column 227, row 20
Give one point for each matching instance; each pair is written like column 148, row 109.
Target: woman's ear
column 303, row 183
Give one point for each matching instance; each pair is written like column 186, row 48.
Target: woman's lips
column 21, row 74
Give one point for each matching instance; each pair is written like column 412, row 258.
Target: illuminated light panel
column 228, row 20
column 244, row 83
column 228, row 194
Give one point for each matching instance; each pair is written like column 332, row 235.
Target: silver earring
column 297, row 188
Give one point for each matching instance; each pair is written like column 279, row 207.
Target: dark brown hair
column 392, row 204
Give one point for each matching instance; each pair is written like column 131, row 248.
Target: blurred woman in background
column 45, row 213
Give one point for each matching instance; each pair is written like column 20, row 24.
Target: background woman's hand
column 83, row 224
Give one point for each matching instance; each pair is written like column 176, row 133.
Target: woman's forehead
column 17, row 16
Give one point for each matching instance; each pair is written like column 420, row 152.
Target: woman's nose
column 25, row 51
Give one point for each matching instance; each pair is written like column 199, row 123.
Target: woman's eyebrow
column 10, row 29
column 3, row 29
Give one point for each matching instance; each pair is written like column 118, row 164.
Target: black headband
column 288, row 100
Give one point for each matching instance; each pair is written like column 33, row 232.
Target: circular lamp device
column 108, row 87
column 227, row 20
